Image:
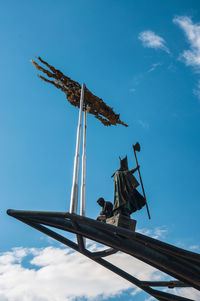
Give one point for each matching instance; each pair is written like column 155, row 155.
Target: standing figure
column 126, row 198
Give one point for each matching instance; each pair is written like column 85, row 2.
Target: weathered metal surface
column 122, row 221
column 72, row 89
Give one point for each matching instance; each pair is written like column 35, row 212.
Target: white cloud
column 154, row 66
column 194, row 247
column 196, row 91
column 191, row 57
column 157, row 233
column 187, row 292
column 151, row 40
column 58, row 274
column 149, row 299
column 143, row 124
column 132, row 90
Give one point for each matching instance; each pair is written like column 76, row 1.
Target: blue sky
column 143, row 59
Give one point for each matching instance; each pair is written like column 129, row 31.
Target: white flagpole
column 74, row 191
column 83, row 175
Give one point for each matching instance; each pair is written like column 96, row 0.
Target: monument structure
column 115, row 230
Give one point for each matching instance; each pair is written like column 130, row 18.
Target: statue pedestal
column 122, row 221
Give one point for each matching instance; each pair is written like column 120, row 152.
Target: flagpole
column 74, row 191
column 83, row 175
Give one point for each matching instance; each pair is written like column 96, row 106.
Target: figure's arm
column 134, row 169
column 103, row 211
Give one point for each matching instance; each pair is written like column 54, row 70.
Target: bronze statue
column 107, row 209
column 126, row 198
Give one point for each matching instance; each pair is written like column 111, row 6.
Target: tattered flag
column 72, row 89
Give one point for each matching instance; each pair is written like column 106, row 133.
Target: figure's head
column 123, row 163
column 101, row 202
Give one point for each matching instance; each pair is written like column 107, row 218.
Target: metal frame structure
column 182, row 265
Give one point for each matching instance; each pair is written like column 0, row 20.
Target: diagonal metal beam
column 131, row 247
column 153, row 243
column 161, row 296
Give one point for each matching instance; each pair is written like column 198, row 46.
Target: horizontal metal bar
column 13, row 212
column 169, row 284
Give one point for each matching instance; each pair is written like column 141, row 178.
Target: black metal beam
column 169, row 284
column 104, row 253
column 169, row 259
column 133, row 248
column 192, row 256
column 159, row 295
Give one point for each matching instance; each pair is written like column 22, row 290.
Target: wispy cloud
column 187, row 292
column 157, row 233
column 154, row 66
column 143, row 124
column 152, row 40
column 54, row 274
column 132, row 90
column 183, row 292
column 194, row 248
column 196, row 91
column 191, row 57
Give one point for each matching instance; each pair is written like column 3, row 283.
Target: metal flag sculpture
column 72, row 89
column 88, row 102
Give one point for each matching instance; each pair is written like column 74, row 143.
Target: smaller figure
column 107, row 209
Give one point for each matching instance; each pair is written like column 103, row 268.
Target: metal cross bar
column 169, row 284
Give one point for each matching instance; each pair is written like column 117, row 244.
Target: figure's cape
column 126, row 193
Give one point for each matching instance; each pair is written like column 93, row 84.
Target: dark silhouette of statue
column 126, row 198
column 107, row 209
